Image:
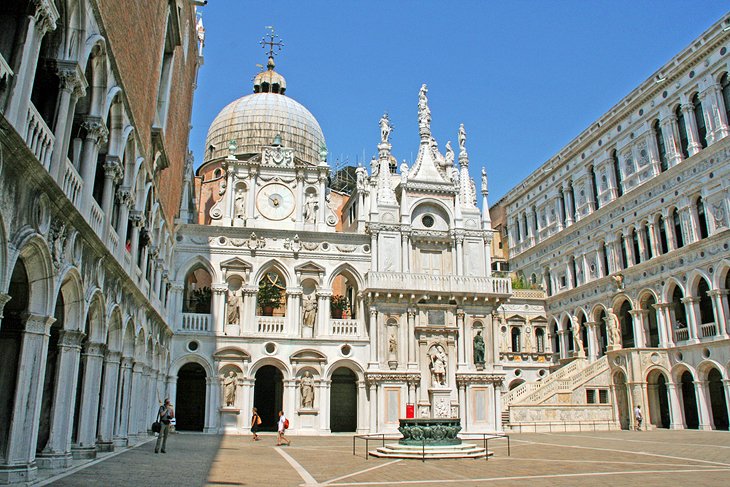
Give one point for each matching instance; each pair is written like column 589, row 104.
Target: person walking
column 255, row 422
column 165, row 414
column 283, row 425
column 638, row 417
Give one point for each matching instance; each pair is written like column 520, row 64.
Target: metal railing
column 485, row 437
column 490, row 436
column 371, row 437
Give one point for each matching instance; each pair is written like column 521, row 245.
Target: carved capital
column 95, row 129
column 70, row 338
column 136, row 218
column 113, row 168
column 94, row 349
column 127, row 362
column 4, row 298
column 124, row 196
column 111, row 357
column 45, row 16
column 37, row 324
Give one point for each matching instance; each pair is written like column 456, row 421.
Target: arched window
column 661, row 148
column 706, row 314
column 270, row 298
column 524, row 224
column 627, row 325
column 594, row 188
column 663, row 235
column 700, row 120
column 563, row 207
column 518, row 230
column 197, row 293
column 617, row 173
column 603, row 339
column 516, row 341
column 652, row 327
column 624, row 253
column 606, row 267
column 678, row 236
column 647, row 240
column 556, row 340
column 540, row 340
column 702, row 218
column 534, row 219
column 725, row 85
column 573, row 211
column 678, row 310
column 635, row 244
column 682, row 126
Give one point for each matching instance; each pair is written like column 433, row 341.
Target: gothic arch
column 679, row 369
column 348, row 364
column 668, row 289
column 644, row 294
column 37, row 260
column 96, row 318
column 3, row 255
column 74, row 303
column 619, row 299
column 194, row 261
column 115, row 337
column 654, row 369
column 704, row 368
column 693, row 280
column 346, row 268
column 275, row 265
column 128, row 338
column 718, row 277
column 194, row 358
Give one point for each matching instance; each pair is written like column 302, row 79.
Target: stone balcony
column 437, row 284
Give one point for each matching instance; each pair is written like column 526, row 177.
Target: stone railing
column 38, row 136
column 270, row 324
column 195, row 322
column 595, row 368
column 113, row 241
column 533, row 391
column 708, row 330
column 5, row 71
column 528, row 294
column 681, row 334
column 428, row 283
column 72, row 183
column 344, row 327
column 96, row 217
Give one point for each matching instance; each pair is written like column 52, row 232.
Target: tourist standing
column 283, row 424
column 255, row 422
column 166, row 414
column 638, row 417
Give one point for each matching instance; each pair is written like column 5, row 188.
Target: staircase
column 464, row 450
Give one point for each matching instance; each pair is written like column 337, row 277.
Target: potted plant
column 268, row 298
column 338, row 306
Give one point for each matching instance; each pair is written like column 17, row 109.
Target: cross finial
column 272, row 42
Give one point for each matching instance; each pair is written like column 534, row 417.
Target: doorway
column 717, row 400
column 268, row 396
column 658, row 400
column 689, row 402
column 622, row 400
column 190, row 398
column 343, row 401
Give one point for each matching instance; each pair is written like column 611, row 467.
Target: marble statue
column 438, row 365
column 310, row 310
column 478, row 348
column 618, row 279
column 306, row 388
column 310, row 209
column 614, row 333
column 233, row 314
column 392, row 345
column 449, row 155
column 232, row 146
column 385, row 128
column 239, row 206
column 229, row 388
column 484, row 180
column 424, row 113
column 462, row 139
column 577, row 338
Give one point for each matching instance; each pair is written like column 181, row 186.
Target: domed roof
column 253, row 121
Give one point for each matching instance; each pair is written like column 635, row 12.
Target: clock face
column 275, row 201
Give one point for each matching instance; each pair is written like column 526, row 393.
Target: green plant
column 200, row 300
column 519, row 283
column 339, row 302
column 268, row 296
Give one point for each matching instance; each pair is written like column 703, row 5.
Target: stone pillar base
column 105, row 446
column 54, row 462
column 229, row 420
column 18, row 474
column 120, row 442
column 84, row 453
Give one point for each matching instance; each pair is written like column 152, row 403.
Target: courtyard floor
column 660, row 458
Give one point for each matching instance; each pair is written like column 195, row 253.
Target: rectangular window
column 603, row 396
column 591, row 396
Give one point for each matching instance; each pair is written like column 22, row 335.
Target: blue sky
column 525, row 77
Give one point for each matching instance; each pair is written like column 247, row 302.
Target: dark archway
column 343, row 401
column 603, row 332
column 627, row 325
column 11, row 335
column 652, row 332
column 622, row 400
column 717, row 400
column 268, row 396
column 658, row 400
column 689, row 402
column 190, row 398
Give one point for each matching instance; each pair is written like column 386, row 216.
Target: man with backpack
column 165, row 415
column 283, row 425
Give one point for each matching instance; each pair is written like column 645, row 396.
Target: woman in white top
column 282, row 428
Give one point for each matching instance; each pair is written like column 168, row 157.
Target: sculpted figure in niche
column 306, row 387
column 310, row 209
column 310, row 310
column 614, row 334
column 229, row 388
column 392, row 345
column 438, row 365
column 239, row 207
column 478, row 348
column 233, row 314
column 577, row 338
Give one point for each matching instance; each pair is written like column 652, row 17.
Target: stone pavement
column 656, row 458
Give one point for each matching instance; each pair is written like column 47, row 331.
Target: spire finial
column 273, row 44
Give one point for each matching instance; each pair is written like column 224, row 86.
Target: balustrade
column 195, row 322
column 447, row 284
column 38, row 136
column 708, row 330
column 270, row 324
column 344, row 327
column 72, row 183
column 96, row 218
column 681, row 334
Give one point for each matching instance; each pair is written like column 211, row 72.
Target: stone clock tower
column 260, row 149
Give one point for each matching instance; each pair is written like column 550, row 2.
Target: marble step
column 465, row 450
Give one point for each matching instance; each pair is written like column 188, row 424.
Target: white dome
column 254, row 120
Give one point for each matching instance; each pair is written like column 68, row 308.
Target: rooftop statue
column 424, row 113
column 462, row 139
column 385, row 128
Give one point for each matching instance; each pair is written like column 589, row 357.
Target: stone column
column 135, row 401
column 691, row 127
column 639, row 316
column 718, row 308
column 462, row 405
column 675, row 409
column 569, row 204
column 374, row 251
column 708, row 96
column 56, row 453
column 72, row 88
column 300, row 198
column 212, row 404
column 323, row 313
column 405, row 258
column 249, row 309
column 497, row 391
column 558, row 213
column 362, row 407
column 461, row 352
column 691, row 305
column 124, row 392
column 726, row 386
column 113, row 172
column 93, row 358
column 373, row 363
column 42, row 20
column 669, row 132
column 629, row 245
column 703, row 405
column 664, row 323
column 719, row 117
column 96, row 131
column 290, row 399
column 18, row 464
column 411, row 339
column 324, row 406
column 593, row 344
column 218, row 308
column 652, row 239
column 108, row 401
column 459, row 239
column 373, row 408
column 564, row 347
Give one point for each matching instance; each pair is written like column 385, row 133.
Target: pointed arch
column 348, row 364
column 95, row 317
column 115, row 335
column 37, row 261
column 276, row 265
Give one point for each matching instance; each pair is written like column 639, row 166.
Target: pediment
column 517, row 318
column 236, row 264
column 538, row 319
column 309, row 267
column 308, row 355
column 231, row 354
